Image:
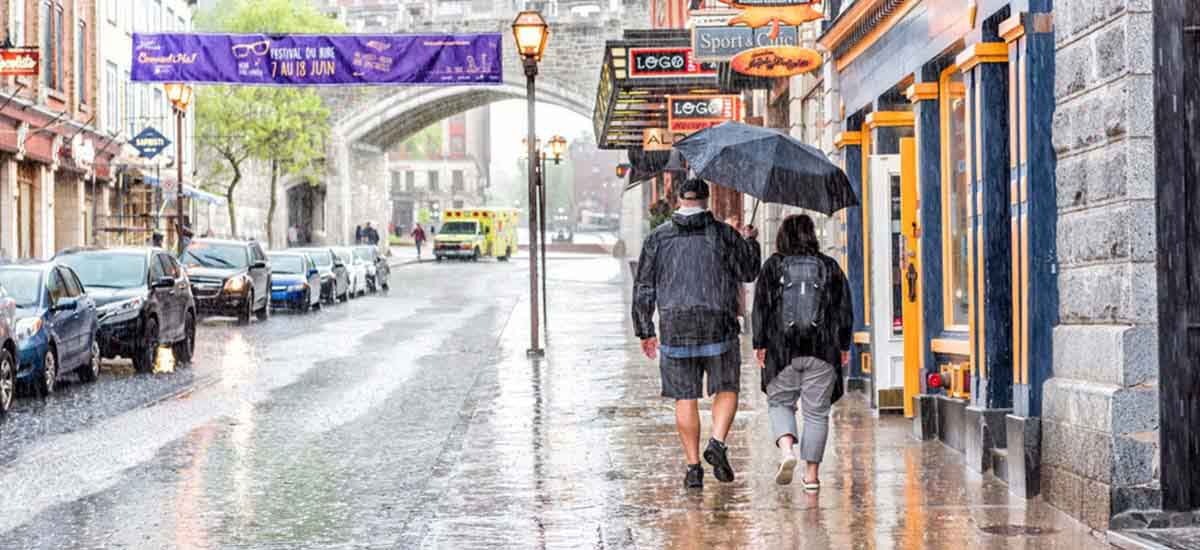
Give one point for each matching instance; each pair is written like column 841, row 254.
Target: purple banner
column 317, row 60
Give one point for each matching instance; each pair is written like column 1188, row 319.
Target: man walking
column 690, row 270
column 418, row 236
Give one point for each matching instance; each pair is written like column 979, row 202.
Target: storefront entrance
column 886, row 310
column 910, row 269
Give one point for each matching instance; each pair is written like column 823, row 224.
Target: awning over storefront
column 638, row 73
column 190, row 191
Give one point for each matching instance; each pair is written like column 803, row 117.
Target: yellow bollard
column 164, row 360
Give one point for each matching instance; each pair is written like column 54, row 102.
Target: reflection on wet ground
column 414, row 420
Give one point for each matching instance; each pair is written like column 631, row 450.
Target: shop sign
column 711, row 18
column 19, row 62
column 687, row 114
column 757, row 14
column 719, row 44
column 776, row 62
column 149, row 142
column 657, row 139
column 666, row 62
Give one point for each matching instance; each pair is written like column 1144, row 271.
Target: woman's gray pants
column 809, row 380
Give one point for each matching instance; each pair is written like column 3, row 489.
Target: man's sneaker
column 715, row 455
column 695, row 477
column 787, row 467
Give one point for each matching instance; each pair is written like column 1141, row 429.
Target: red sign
column 19, row 62
column 776, row 61
column 689, row 113
column 666, row 62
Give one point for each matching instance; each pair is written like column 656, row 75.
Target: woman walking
column 802, row 328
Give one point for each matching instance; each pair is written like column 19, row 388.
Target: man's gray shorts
column 683, row 378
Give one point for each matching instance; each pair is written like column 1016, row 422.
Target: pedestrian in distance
column 293, row 235
column 418, row 236
column 358, row 234
column 185, row 232
column 371, row 235
column 802, row 323
column 689, row 271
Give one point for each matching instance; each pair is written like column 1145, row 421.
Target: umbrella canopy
column 768, row 165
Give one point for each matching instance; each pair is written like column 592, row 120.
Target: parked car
column 8, row 352
column 378, row 270
column 357, row 269
column 56, row 324
column 143, row 300
column 229, row 278
column 335, row 277
column 295, row 280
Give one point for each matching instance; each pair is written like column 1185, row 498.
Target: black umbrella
column 767, row 165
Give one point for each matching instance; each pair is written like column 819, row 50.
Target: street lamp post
column 557, row 146
column 531, row 33
column 180, row 95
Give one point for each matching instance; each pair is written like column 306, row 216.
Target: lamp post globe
column 531, row 33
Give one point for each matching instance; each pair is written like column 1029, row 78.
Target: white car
column 356, row 269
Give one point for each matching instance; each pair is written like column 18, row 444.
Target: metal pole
column 95, row 205
column 535, row 348
column 542, row 231
column 179, row 181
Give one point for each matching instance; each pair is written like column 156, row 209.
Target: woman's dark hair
column 797, row 236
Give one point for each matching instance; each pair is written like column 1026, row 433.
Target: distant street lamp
column 180, row 96
column 531, row 33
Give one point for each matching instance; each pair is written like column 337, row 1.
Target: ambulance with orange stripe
column 474, row 233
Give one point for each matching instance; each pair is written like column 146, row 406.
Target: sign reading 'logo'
column 666, row 62
column 686, row 114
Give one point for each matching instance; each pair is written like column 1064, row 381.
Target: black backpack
column 803, row 306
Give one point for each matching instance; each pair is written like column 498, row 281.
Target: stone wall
column 1100, row 451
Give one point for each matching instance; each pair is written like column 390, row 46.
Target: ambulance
column 474, row 233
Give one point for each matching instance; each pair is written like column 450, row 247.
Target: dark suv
column 143, row 300
column 229, row 278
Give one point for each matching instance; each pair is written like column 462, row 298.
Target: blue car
column 55, row 327
column 295, row 281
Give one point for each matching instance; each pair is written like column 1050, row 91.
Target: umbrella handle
column 754, row 214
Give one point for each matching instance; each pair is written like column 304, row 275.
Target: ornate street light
column 531, row 34
column 180, row 96
column 558, row 146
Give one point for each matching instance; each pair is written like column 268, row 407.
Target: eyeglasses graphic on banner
column 260, row 48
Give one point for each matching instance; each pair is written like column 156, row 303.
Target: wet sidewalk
column 579, row 451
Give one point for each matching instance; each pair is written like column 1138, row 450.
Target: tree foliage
column 286, row 127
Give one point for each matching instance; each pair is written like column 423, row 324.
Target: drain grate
column 1017, row 530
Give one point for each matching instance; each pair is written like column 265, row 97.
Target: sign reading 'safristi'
column 666, row 62
column 317, row 60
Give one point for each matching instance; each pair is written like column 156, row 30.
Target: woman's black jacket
column 768, row 327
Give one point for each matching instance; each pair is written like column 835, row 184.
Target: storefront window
column 955, row 223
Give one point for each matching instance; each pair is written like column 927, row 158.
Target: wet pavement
column 414, row 420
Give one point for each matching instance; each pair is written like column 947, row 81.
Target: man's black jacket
column 690, row 269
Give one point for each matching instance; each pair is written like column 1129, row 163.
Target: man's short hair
column 693, row 189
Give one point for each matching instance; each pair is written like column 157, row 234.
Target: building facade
column 138, row 207
column 55, row 163
column 1020, row 257
column 448, row 169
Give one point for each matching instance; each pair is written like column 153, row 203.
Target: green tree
column 285, row 126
